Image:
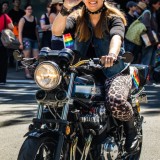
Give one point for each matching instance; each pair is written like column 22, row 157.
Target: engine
column 93, row 117
column 109, row 149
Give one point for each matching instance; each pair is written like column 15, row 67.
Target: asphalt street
column 18, row 107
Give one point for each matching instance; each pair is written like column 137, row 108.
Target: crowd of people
column 148, row 14
column 24, row 21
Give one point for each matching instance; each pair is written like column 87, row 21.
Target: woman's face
column 59, row 6
column 93, row 5
column 48, row 8
column 28, row 10
column 139, row 11
column 156, row 6
column 5, row 6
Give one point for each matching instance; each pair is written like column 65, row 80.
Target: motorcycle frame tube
column 39, row 111
column 64, row 117
column 69, row 93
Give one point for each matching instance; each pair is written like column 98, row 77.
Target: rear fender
column 41, row 133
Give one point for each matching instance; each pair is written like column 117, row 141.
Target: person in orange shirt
column 15, row 14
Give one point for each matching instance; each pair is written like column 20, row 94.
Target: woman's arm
column 43, row 24
column 146, row 20
column 52, row 18
column 114, row 49
column 36, row 31
column 59, row 25
column 115, row 45
column 10, row 26
column 20, row 30
column 116, row 31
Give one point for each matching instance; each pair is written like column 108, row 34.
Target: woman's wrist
column 65, row 11
column 113, row 55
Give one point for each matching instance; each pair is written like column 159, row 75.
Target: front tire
column 37, row 149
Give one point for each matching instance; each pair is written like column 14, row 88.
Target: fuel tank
column 88, row 89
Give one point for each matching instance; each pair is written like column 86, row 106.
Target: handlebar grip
column 97, row 60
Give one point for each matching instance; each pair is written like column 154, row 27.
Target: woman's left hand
column 108, row 60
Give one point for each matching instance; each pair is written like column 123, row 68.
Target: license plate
column 143, row 98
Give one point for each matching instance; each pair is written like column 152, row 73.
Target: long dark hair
column 53, row 8
column 82, row 26
column 151, row 2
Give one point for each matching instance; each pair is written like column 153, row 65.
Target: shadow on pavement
column 23, row 117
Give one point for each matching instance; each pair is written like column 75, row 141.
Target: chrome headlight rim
column 56, row 67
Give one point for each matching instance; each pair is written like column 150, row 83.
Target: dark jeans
column 3, row 64
column 134, row 49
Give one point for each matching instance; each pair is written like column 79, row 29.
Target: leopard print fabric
column 117, row 90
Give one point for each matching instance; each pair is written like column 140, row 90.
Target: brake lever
column 28, row 61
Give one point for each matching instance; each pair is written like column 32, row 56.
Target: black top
column 48, row 32
column 130, row 20
column 46, row 19
column 16, row 15
column 114, row 24
column 29, row 29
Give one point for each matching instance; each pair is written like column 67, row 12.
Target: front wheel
column 37, row 149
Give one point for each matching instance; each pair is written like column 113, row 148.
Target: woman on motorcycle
column 98, row 28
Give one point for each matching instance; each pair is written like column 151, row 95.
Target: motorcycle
column 73, row 121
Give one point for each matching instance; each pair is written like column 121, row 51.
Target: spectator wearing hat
column 141, row 6
column 56, row 42
column 131, row 47
column 131, row 7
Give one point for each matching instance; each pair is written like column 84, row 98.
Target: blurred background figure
column 6, row 22
column 56, row 42
column 131, row 6
column 5, row 6
column 46, row 27
column 132, row 47
column 151, row 23
column 28, row 36
column 15, row 14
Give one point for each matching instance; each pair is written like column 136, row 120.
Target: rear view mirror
column 127, row 57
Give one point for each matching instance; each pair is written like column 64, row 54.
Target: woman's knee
column 123, row 112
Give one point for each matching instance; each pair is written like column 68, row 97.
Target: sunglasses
column 29, row 9
column 60, row 4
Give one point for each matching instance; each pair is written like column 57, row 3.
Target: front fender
column 42, row 133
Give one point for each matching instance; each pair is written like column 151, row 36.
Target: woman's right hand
column 69, row 4
column 21, row 46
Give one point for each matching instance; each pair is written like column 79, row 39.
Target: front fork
column 61, row 127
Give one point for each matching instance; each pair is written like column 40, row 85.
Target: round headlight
column 47, row 75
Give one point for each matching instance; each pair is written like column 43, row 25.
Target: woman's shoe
column 132, row 141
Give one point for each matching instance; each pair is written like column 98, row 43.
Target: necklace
column 96, row 12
